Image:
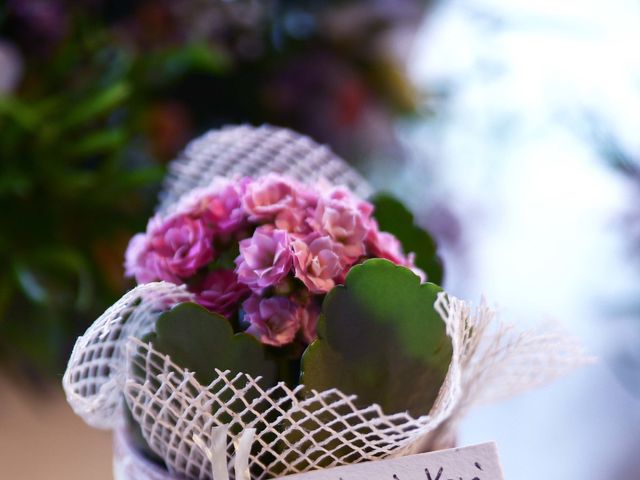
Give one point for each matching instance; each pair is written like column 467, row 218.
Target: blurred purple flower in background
column 10, row 67
column 40, row 25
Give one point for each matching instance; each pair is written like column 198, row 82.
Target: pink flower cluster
column 293, row 244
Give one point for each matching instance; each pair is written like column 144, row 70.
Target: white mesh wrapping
column 95, row 375
column 295, row 430
column 294, row 433
column 254, row 151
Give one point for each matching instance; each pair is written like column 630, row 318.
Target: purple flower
column 218, row 204
column 265, row 258
column 42, row 24
column 344, row 220
column 317, row 262
column 173, row 249
column 272, row 320
column 267, row 196
column 136, row 258
column 221, row 292
column 11, row 67
column 348, row 198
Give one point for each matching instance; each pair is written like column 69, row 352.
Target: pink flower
column 418, row 271
column 348, row 198
column 172, row 249
column 297, row 217
column 220, row 292
column 385, row 245
column 308, row 319
column 294, row 220
column 344, row 220
column 135, row 259
column 317, row 262
column 265, row 258
column 272, row 320
column 267, row 196
column 219, row 205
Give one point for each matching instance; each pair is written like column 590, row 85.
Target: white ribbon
column 216, row 452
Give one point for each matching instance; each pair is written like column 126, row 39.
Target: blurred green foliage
column 107, row 92
column 77, row 179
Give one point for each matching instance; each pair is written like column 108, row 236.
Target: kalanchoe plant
column 264, row 252
column 295, row 318
column 316, row 293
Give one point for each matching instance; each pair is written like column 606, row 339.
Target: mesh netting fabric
column 96, row 373
column 238, row 151
column 295, row 430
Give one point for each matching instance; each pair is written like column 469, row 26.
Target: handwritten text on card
column 478, row 462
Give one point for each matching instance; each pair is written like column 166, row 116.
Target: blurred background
column 511, row 129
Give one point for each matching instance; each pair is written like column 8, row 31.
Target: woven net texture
column 294, row 430
column 254, row 151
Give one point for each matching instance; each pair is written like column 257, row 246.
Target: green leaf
column 381, row 339
column 100, row 104
column 195, row 57
column 18, row 111
column 140, row 177
column 200, row 341
column 393, row 217
column 98, row 142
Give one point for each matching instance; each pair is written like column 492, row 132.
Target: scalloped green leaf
column 200, row 340
column 380, row 338
column 393, row 217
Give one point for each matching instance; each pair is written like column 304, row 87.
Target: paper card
column 477, row 462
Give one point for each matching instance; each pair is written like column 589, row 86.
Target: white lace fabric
column 292, row 430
